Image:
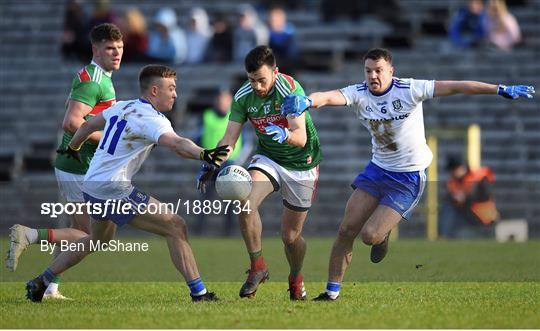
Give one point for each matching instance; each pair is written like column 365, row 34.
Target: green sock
column 254, row 255
column 43, row 234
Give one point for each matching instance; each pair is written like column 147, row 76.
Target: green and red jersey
column 247, row 105
column 94, row 87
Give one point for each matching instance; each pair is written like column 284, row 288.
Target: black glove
column 215, row 156
column 70, row 152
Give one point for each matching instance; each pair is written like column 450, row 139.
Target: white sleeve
column 351, row 94
column 422, row 89
column 156, row 126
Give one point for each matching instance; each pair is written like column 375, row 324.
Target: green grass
column 461, row 284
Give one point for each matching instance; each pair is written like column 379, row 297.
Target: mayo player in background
column 131, row 129
column 92, row 91
column 393, row 181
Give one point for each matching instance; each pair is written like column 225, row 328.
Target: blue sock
column 49, row 275
column 196, row 287
column 332, row 289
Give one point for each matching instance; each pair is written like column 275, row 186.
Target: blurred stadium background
column 35, row 81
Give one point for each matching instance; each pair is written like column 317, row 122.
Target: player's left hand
column 516, row 91
column 280, row 134
column 205, row 174
column 215, row 156
column 70, row 152
column 294, row 105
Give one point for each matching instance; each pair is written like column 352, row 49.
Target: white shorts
column 70, row 185
column 298, row 188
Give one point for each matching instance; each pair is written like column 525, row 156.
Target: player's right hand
column 294, row 105
column 516, row 91
column 205, row 174
column 70, row 152
column 215, row 156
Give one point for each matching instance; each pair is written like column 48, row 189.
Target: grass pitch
column 458, row 284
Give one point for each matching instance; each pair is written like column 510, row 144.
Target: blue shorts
column 120, row 211
column 400, row 191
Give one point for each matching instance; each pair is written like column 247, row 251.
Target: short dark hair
column 258, row 57
column 105, row 32
column 378, row 53
column 151, row 72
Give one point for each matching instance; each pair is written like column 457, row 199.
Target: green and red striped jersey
column 247, row 105
column 94, row 87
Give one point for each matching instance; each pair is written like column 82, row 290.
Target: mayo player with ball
column 287, row 159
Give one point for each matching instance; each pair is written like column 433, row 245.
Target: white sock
column 332, row 294
column 31, row 235
column 200, row 293
column 52, row 288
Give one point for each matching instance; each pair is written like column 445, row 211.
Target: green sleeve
column 299, row 89
column 86, row 92
column 238, row 113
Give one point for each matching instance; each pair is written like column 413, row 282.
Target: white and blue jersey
column 396, row 122
column 396, row 174
column 131, row 131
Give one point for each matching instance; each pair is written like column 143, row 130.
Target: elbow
column 68, row 126
column 300, row 142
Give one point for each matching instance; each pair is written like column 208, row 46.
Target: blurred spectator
column 75, row 43
column 249, row 33
column 334, row 10
column 133, row 28
column 197, row 35
column 166, row 41
column 469, row 206
column 282, row 39
column 213, row 127
column 221, row 44
column 502, row 26
column 468, row 26
column 102, row 13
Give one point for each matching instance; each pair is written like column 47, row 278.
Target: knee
column 346, row 233
column 177, row 227
column 289, row 237
column 370, row 236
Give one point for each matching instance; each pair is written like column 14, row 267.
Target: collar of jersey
column 108, row 74
column 147, row 102
column 385, row 91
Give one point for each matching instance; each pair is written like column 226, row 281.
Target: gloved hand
column 280, row 134
column 205, row 174
column 215, row 156
column 294, row 105
column 70, row 152
column 515, row 91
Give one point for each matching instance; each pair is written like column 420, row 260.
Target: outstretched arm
column 188, row 149
column 445, row 88
column 450, row 87
column 329, row 98
column 181, row 146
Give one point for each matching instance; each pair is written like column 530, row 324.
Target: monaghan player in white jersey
column 130, row 130
column 393, row 182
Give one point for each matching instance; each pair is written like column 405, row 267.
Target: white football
column 233, row 183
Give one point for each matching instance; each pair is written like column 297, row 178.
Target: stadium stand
column 34, row 82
